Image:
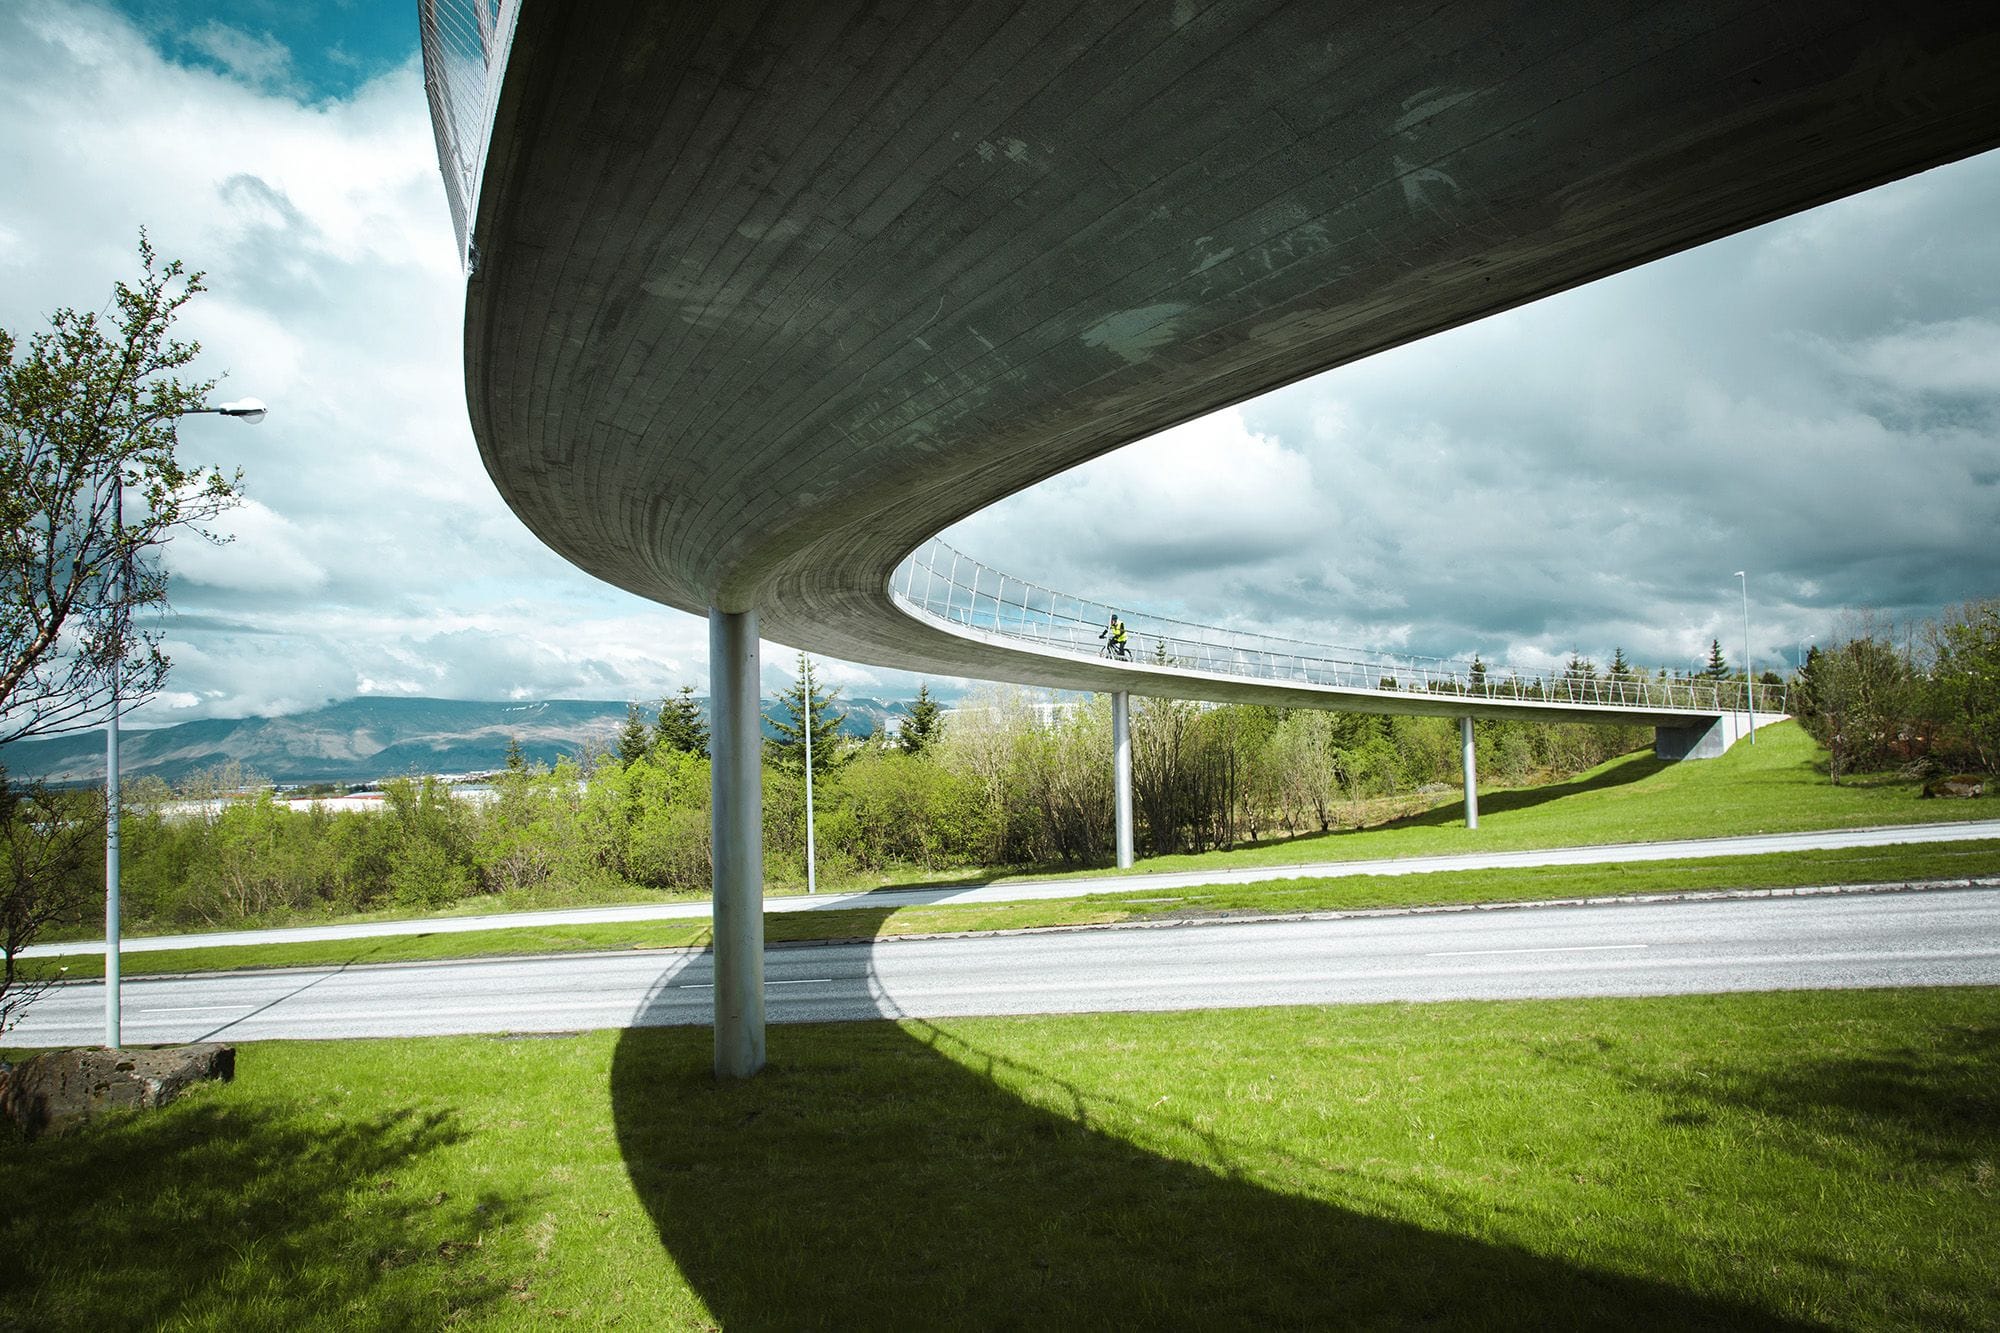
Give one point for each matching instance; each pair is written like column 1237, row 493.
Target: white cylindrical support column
column 1121, row 773
column 737, row 820
column 1471, row 772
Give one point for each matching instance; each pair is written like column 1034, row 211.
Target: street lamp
column 1749, row 676
column 250, row 411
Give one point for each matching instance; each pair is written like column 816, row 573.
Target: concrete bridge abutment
column 1709, row 738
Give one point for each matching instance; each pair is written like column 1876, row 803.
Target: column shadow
column 883, row 1174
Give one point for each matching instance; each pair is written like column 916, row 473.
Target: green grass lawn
column 1859, row 865
column 1777, row 785
column 1789, row 1160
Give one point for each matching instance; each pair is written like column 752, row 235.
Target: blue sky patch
column 310, row 52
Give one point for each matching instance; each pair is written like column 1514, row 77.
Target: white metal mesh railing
column 465, row 45
column 936, row 580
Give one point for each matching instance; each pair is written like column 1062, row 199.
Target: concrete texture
column 735, row 744
column 768, row 294
column 1707, row 738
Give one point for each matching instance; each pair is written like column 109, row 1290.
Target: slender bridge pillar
column 737, row 821
column 1471, row 772
column 1121, row 773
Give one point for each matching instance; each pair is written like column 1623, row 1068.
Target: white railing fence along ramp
column 465, row 44
column 939, row 581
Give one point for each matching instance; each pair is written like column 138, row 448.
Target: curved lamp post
column 251, row 411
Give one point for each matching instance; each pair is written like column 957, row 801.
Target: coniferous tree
column 1620, row 668
column 1718, row 665
column 1478, row 675
column 517, row 758
column 680, row 725
column 634, row 738
column 923, row 726
column 805, row 703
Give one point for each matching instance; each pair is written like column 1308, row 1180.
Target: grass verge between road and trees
column 1859, row 865
column 1774, row 786
column 1778, row 785
column 1776, row 1160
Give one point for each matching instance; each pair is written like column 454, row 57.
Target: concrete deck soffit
column 769, row 294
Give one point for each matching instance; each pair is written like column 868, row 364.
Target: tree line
column 1012, row 777
column 1929, row 702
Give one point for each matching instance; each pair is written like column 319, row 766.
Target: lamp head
column 249, row 410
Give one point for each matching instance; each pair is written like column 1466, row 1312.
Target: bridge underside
column 766, row 295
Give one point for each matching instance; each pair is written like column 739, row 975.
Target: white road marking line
column 193, row 1008
column 1574, row 948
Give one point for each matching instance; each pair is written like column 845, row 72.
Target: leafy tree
column 1066, row 784
column 680, row 725
column 806, row 704
column 1854, row 698
column 903, row 807
column 88, row 414
column 86, row 406
column 1965, row 680
column 1718, row 665
column 634, row 738
column 924, row 724
column 431, row 863
column 52, row 843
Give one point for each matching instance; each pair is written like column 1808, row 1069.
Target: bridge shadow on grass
column 1527, row 798
column 219, row 1214
column 884, row 1174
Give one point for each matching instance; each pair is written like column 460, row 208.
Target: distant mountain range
column 365, row 740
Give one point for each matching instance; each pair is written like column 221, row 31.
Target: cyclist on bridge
column 1115, row 634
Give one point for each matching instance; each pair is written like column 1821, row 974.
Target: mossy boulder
column 59, row 1090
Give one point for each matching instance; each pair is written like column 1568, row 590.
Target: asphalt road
column 1029, row 890
column 1946, row 937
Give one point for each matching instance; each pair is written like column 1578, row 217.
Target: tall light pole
column 250, row 411
column 806, row 686
column 1749, row 675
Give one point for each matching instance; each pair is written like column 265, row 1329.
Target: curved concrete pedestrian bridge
column 762, row 297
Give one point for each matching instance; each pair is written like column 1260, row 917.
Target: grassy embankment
column 1784, row 1160
column 1778, row 785
column 1771, row 787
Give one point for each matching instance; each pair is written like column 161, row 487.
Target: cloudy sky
column 1817, row 402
